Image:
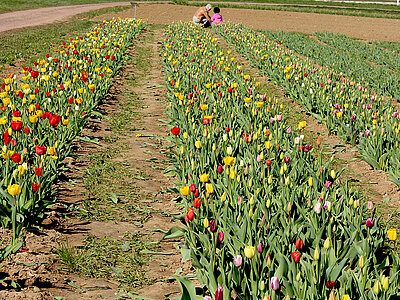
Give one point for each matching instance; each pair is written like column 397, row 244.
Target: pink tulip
column 370, row 205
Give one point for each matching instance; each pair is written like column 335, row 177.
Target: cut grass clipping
column 121, row 261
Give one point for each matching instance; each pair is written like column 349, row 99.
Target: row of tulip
column 349, row 61
column 361, row 50
column 46, row 108
column 264, row 217
column 359, row 115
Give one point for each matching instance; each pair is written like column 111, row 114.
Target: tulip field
column 42, row 113
column 263, row 213
column 266, row 217
column 351, row 97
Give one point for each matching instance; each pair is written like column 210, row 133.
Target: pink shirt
column 216, row 18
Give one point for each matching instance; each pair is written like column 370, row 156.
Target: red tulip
column 206, row 121
column 268, row 162
column 190, row 214
column 16, row 157
column 219, row 169
column 16, row 113
column 54, row 120
column 38, row 171
column 27, row 130
column 7, row 138
column 370, row 222
column 299, row 244
column 35, row 186
column 35, row 74
column 227, row 129
column 192, row 188
column 175, row 130
column 296, row 256
column 16, row 125
column 220, row 236
column 330, row 284
column 196, row 193
column 40, row 150
column 196, row 202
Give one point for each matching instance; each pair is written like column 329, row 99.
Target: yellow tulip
column 385, row 283
column 249, row 251
column 185, row 190
column 232, row 174
column 52, row 150
column 229, row 160
column 392, row 234
column 197, row 144
column 3, row 121
column 14, row 189
column 206, row 223
column 346, row 297
column 377, row 287
column 204, row 177
column 209, row 188
column 361, row 262
column 268, row 145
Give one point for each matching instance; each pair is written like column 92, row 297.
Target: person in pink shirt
column 216, row 18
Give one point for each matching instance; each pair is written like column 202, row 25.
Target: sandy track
column 48, row 15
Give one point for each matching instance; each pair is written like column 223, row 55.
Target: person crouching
column 201, row 16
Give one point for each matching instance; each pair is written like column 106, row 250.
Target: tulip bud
column 385, row 283
column 206, row 223
column 223, row 197
column 327, row 243
column 310, row 181
column 268, row 261
column 262, row 285
column 285, row 167
column 289, row 206
column 333, row 174
column 269, row 179
column 251, row 200
column 225, row 137
column 250, row 183
column 316, row 254
column 229, row 150
column 298, row 276
column 351, row 200
column 268, row 204
column 377, row 287
column 332, row 295
column 251, row 212
column 361, row 262
column 259, row 248
column 287, row 180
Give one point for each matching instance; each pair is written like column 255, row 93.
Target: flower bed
column 359, row 115
column 42, row 113
column 265, row 217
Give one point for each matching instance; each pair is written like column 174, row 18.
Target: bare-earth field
column 138, row 151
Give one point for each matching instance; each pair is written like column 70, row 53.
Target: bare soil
column 371, row 29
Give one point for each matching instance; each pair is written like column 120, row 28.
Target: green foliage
column 264, row 189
